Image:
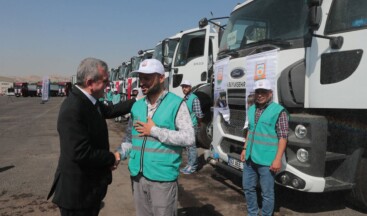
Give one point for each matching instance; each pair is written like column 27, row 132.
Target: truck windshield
column 32, row 87
column 54, row 87
column 169, row 50
column 190, row 47
column 263, row 21
column 123, row 71
column 135, row 61
column 158, row 52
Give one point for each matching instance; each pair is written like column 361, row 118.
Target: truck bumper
column 294, row 179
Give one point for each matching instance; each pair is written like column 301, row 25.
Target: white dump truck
column 313, row 52
column 195, row 52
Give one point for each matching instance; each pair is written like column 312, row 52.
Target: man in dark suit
column 85, row 163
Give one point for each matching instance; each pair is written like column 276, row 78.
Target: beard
column 156, row 88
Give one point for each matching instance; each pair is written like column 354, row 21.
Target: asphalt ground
column 29, row 151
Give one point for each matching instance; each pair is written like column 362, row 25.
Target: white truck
column 135, row 62
column 124, row 71
column 319, row 78
column 164, row 52
column 114, row 79
column 195, row 52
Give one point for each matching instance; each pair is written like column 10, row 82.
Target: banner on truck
column 259, row 66
column 220, row 89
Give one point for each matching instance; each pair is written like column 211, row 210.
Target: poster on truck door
column 220, row 89
column 261, row 66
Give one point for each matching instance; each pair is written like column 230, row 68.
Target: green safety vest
column 262, row 142
column 109, row 96
column 190, row 102
column 155, row 160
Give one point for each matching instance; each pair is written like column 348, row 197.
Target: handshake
column 122, row 153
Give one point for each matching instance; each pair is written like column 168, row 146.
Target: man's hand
column 243, row 155
column 275, row 166
column 117, row 161
column 144, row 128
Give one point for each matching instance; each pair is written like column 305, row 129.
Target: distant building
column 5, row 83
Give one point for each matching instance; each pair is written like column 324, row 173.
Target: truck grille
column 237, row 121
column 237, row 107
column 231, row 146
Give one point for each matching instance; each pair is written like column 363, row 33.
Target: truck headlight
column 302, row 155
column 284, row 179
column 295, row 183
column 300, row 131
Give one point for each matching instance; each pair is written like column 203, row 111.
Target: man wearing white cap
column 193, row 104
column 109, row 94
column 161, row 127
column 264, row 148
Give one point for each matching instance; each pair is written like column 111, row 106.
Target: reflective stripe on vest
column 155, row 160
column 262, row 143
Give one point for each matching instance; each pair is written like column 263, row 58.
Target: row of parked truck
column 319, row 76
column 26, row 89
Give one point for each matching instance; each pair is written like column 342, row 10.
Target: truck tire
column 358, row 196
column 205, row 134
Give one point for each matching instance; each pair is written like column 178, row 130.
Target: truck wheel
column 205, row 135
column 358, row 196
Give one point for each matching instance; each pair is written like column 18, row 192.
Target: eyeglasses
column 261, row 91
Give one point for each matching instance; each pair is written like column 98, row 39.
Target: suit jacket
column 85, row 160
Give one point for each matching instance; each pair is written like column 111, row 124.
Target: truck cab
column 193, row 59
column 164, row 52
column 313, row 55
column 127, row 81
column 39, row 89
column 135, row 62
column 54, row 89
column 21, row 89
column 32, row 89
column 64, row 88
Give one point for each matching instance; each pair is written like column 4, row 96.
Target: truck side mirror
column 315, row 16
column 203, row 22
column 167, row 63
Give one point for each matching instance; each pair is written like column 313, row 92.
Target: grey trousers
column 154, row 198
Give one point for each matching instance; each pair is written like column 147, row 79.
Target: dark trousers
column 80, row 212
column 93, row 211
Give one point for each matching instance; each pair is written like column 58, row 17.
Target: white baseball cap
column 262, row 84
column 150, row 66
column 185, row 82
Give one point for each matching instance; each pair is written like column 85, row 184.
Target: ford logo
column 237, row 73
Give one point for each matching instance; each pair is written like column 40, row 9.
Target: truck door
column 335, row 75
column 190, row 60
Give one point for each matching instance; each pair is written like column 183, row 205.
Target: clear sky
column 44, row 37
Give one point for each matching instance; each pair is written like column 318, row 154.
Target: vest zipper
column 253, row 136
column 142, row 155
column 145, row 137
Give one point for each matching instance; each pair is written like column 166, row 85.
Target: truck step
column 333, row 184
column 332, row 156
